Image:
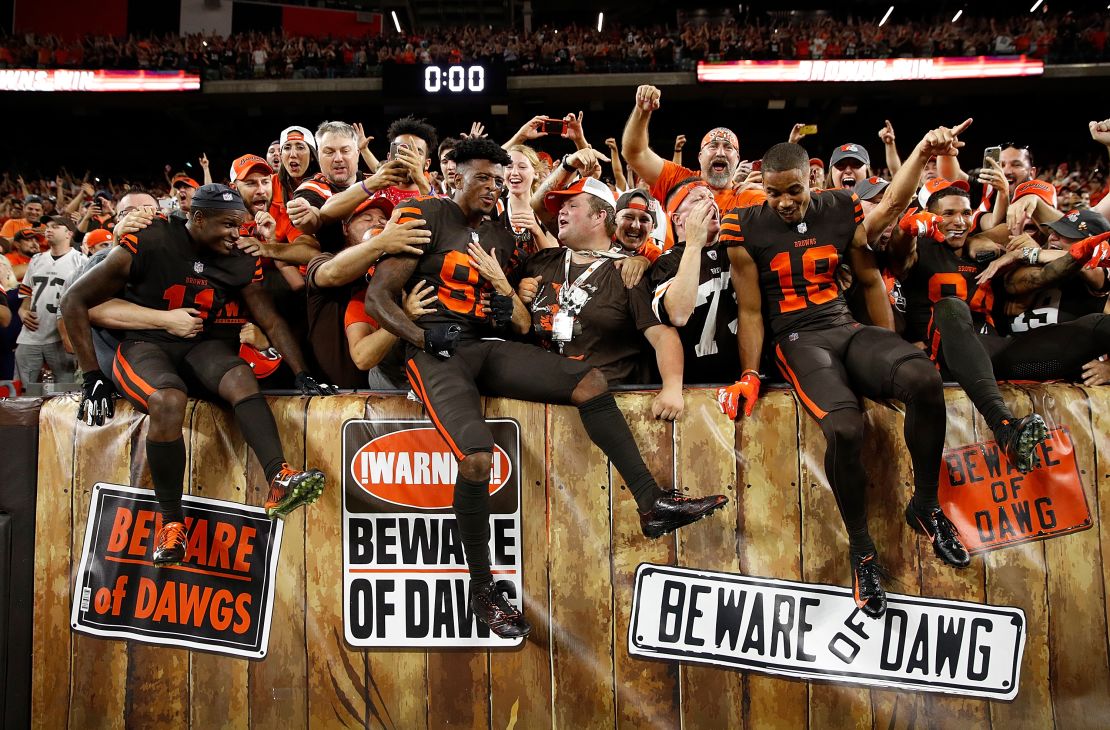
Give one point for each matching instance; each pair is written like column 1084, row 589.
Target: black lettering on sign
column 695, row 613
column 670, row 613
column 730, row 616
column 977, row 625
column 955, row 470
column 754, row 639
column 416, row 609
column 893, row 616
column 971, row 475
column 804, row 628
column 949, row 640
column 780, row 627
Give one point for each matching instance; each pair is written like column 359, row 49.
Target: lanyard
column 573, row 297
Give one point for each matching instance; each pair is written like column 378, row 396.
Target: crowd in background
column 574, row 49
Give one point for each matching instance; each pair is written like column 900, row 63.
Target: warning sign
column 220, row 599
column 994, row 505
column 405, row 578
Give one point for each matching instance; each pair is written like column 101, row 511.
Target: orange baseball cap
column 587, row 185
column 244, row 165
column 98, row 237
column 936, row 185
column 183, row 178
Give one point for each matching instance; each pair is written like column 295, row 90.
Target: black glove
column 442, row 339
column 308, row 385
column 500, row 309
column 97, row 399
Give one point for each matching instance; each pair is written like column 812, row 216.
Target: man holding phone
column 410, row 139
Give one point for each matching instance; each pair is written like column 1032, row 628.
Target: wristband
column 362, row 184
column 749, row 370
column 1031, row 254
column 1044, row 190
column 566, row 167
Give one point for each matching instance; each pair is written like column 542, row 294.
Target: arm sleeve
column 314, row 266
column 732, row 233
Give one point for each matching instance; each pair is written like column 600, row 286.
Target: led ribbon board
column 29, row 79
column 887, row 69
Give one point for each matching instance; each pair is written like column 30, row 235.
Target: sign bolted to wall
column 219, row 599
column 405, row 578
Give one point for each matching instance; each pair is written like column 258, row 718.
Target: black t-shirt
column 709, row 344
column 941, row 272
column 610, row 317
column 797, row 261
column 170, row 270
column 316, row 190
column 1055, row 305
column 445, row 264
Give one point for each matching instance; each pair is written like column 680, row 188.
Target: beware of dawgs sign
column 219, row 599
column 816, row 632
column 405, row 578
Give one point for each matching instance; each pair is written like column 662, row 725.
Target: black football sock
column 256, row 422
column 843, row 430
column 607, row 428
column 471, row 505
column 926, row 421
column 167, row 471
column 968, row 360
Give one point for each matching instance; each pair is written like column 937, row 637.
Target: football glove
column 922, row 225
column 500, row 310
column 97, row 399
column 442, row 339
column 745, row 390
column 308, row 385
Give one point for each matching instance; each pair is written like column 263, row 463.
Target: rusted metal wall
column 582, row 544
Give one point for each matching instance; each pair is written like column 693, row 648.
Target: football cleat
column 942, row 533
column 169, row 546
column 672, row 511
column 291, row 488
column 1019, row 441
column 866, row 588
column 490, row 606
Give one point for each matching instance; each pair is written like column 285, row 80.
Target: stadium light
column 1036, row 5
column 885, row 17
column 600, row 21
column 396, row 23
column 957, row 15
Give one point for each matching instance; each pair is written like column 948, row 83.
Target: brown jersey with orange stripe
column 797, row 261
column 169, row 270
column 940, row 272
column 445, row 264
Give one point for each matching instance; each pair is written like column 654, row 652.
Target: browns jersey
column 940, row 272
column 607, row 329
column 316, row 190
column 169, row 271
column 445, row 264
column 709, row 345
column 797, row 261
column 1055, row 305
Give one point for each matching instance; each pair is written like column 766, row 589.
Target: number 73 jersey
column 797, row 261
column 446, row 267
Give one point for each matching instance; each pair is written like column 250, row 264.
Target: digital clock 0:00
column 458, row 78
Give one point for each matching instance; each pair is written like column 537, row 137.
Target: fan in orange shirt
column 718, row 158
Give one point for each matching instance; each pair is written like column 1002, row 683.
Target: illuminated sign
column 890, row 69
column 29, row 79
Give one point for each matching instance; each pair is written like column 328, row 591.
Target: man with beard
column 25, row 246
column 196, row 264
column 693, row 289
column 451, row 361
column 784, row 255
column 32, row 210
column 718, row 158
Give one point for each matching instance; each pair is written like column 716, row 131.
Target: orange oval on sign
column 415, row 468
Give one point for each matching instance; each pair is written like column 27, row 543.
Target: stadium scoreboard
column 461, row 80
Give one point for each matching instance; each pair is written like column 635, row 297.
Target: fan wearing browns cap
column 457, row 354
column 195, row 263
column 718, row 158
column 849, row 164
column 26, row 243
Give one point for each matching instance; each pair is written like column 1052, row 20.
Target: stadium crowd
column 573, row 49
column 463, row 266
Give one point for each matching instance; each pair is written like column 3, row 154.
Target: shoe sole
column 305, row 493
column 1034, row 433
column 653, row 535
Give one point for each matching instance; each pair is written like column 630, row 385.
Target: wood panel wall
column 582, row 545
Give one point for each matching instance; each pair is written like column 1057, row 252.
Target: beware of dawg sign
column 816, row 632
column 220, row 599
column 405, row 578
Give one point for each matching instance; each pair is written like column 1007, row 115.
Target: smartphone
column 808, row 129
column 393, row 149
column 553, row 126
column 757, row 165
column 991, row 153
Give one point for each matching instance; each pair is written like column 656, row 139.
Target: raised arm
column 634, row 143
